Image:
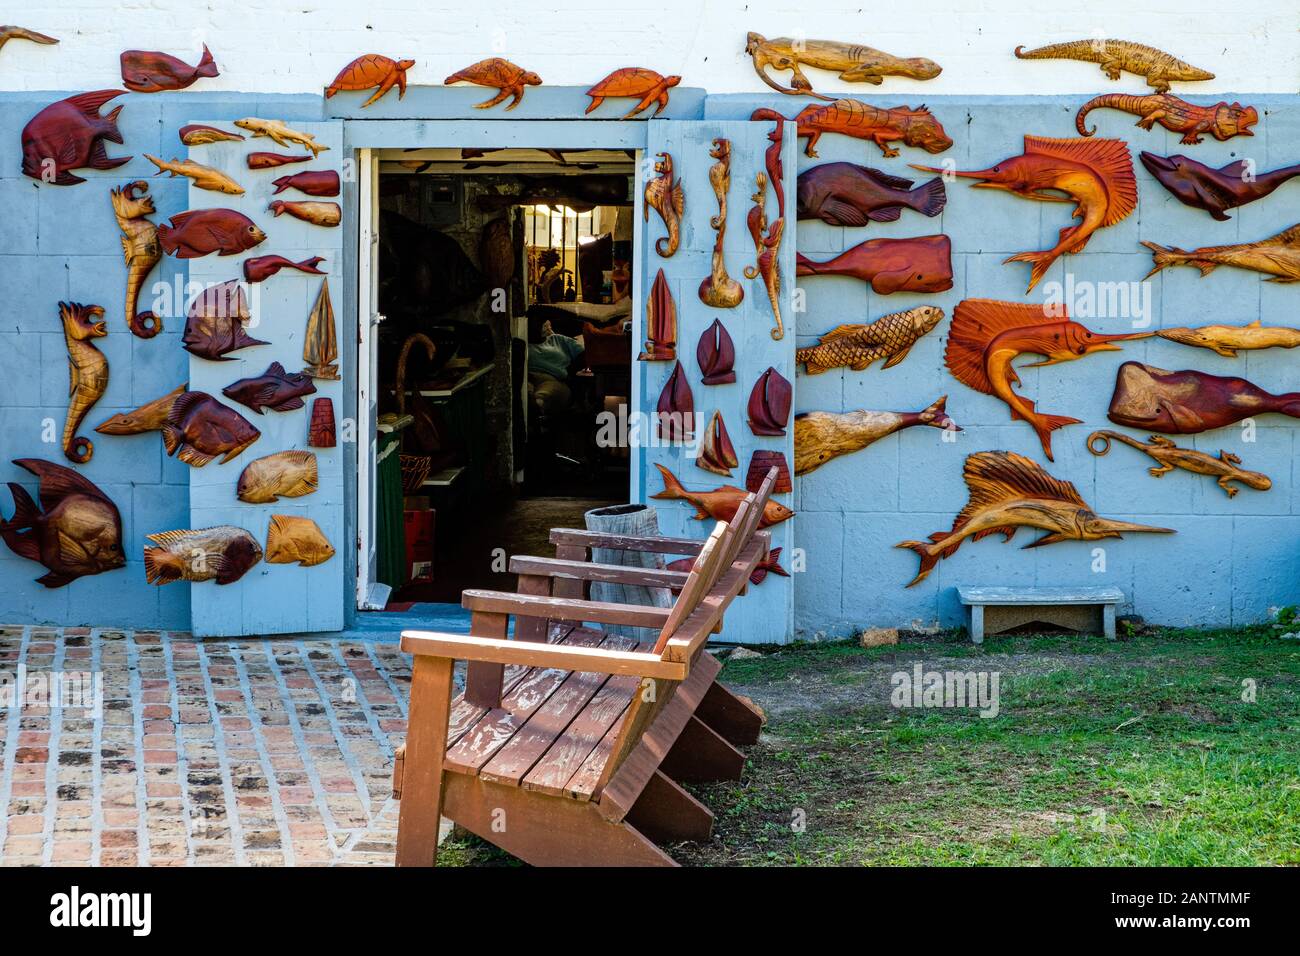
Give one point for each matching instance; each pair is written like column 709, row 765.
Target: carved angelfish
column 291, row 539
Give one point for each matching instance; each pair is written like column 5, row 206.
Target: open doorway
column 504, row 280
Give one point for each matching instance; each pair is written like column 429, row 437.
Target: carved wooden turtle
column 506, row 76
column 634, row 81
column 370, row 71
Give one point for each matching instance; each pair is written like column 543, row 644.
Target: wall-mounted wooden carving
column 716, row 355
column 718, row 289
column 1096, row 174
column 763, row 461
column 70, row 135
column 196, row 428
column 321, row 432
column 717, row 453
column 316, row 213
column 140, row 248
column 496, row 253
column 721, row 503
column 664, row 195
column 1278, row 256
column 87, row 370
column 769, row 404
column 509, row 79
column 911, row 127
column 772, row 565
column 633, row 82
column 291, row 539
column 853, row 62
column 821, row 436
column 767, row 247
column 987, row 335
column 150, row 417
column 261, row 268
column 370, row 71
column 1116, row 56
column 280, row 134
column 1227, row 339
column 890, row 337
column 223, row 554
column 199, row 134
column 204, row 177
column 8, row 33
column 215, row 321
column 1214, row 190
column 148, row 71
column 1187, row 401
column 846, row 194
column 286, row 474
column 660, row 323
column 1222, row 120
column 275, row 389
column 200, row 232
column 320, row 349
column 919, row 264
column 313, row 182
column 1223, row 469
column 76, row 531
column 272, row 160
column 675, row 411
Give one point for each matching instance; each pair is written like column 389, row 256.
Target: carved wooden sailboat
column 716, row 354
column 321, row 349
column 769, row 404
column 717, row 454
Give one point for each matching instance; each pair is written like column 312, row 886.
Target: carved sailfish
column 987, row 335
column 1096, row 175
column 1007, row 492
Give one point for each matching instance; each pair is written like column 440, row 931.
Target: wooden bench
column 1089, row 610
column 569, row 744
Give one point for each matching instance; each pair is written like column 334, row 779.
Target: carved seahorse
column 87, row 373
column 141, row 250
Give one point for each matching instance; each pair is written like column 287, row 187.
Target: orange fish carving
column 987, row 335
column 1097, row 175
column 720, row 503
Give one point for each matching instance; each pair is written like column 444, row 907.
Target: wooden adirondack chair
column 569, row 743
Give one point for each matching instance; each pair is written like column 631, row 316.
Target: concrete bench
column 1086, row 610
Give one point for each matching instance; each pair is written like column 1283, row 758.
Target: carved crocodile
column 1222, row 120
column 1115, row 56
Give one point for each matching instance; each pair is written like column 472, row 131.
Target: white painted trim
column 367, row 306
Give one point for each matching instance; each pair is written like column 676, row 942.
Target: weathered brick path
column 262, row 752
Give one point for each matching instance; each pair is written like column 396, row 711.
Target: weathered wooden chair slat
column 580, row 734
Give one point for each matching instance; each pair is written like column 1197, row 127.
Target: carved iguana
column 1115, row 56
column 852, row 61
column 1223, row 469
column 1222, row 120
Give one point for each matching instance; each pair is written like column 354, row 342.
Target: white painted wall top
column 274, row 46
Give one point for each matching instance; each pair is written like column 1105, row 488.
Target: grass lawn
column 1135, row 752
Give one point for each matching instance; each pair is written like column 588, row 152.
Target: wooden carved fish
column 1278, row 257
column 272, row 160
column 1007, row 492
column 199, row 428
column 1223, row 469
column 216, row 320
column 987, row 335
column 147, row 418
column 275, row 389
column 1214, row 190
column 261, row 268
column 845, row 194
column 1226, row 339
column 76, row 531
column 223, row 554
column 87, row 370
column 1097, row 175
column 772, row 565
column 313, row 182
column 204, row 177
column 316, row 213
column 295, row 540
column 152, row 72
column 8, row 33
column 280, row 134
column 140, row 248
column 288, row 474
column 664, row 195
column 919, row 264
column 70, row 135
column 821, row 436
column 200, row 232
column 1188, row 401
column 890, row 337
column 720, row 503
column 198, row 134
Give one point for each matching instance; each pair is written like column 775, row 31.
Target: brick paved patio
column 263, row 752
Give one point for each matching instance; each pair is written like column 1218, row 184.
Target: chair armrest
column 570, row 657
column 572, row 610
column 607, row 573
column 688, row 547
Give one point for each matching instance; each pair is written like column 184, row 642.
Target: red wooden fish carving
column 316, row 213
column 920, row 264
column 76, row 531
column 271, row 160
column 716, row 355
column 313, row 182
column 200, row 232
column 721, row 503
column 261, row 268
column 70, row 135
column 845, row 194
column 275, row 389
column 769, row 404
column 660, row 323
column 148, row 71
column 215, row 322
column 1187, row 401
column 772, row 565
column 676, row 408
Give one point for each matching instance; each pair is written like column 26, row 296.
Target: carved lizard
column 1115, row 56
column 1222, row 120
column 1223, row 469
